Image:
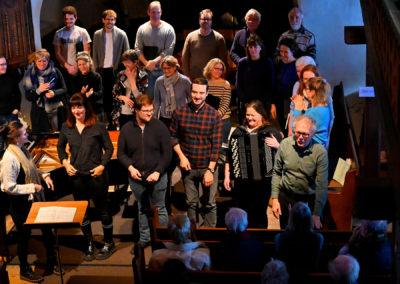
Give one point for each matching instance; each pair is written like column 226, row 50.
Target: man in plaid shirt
column 196, row 137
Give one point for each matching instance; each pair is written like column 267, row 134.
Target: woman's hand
column 97, row 171
column 71, row 171
column 44, row 87
column 84, row 89
column 49, row 182
column 127, row 101
column 272, row 142
column 227, row 183
column 88, row 94
column 15, row 111
column 38, row 187
column 50, row 94
column 298, row 102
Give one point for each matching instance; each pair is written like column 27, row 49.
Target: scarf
column 170, row 102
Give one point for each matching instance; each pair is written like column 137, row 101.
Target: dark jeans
column 286, row 197
column 108, row 80
column 19, row 210
column 226, row 129
column 86, row 187
column 149, row 193
column 192, row 180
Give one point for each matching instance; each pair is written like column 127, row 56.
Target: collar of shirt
column 200, row 109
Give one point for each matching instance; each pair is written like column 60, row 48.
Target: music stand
column 76, row 222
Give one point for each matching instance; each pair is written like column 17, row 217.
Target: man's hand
column 227, row 183
column 151, row 65
column 135, row 174
column 97, row 171
column 184, row 163
column 153, row 177
column 71, row 171
column 276, row 208
column 317, row 222
column 208, row 178
column 49, row 182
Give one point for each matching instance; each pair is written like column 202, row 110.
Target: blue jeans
column 153, row 75
column 192, row 180
column 150, row 193
column 3, row 120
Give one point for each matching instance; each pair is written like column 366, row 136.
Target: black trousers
column 287, row 198
column 19, row 210
column 86, row 187
column 108, row 80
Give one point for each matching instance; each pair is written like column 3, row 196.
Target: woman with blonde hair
column 45, row 89
column 219, row 93
column 88, row 83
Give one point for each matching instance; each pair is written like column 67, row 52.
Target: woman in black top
column 252, row 186
column 88, row 83
column 87, row 138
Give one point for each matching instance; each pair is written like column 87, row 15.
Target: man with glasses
column 109, row 43
column 144, row 148
column 201, row 46
column 300, row 173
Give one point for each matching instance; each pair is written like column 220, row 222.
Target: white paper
column 340, row 172
column 55, row 214
column 366, row 92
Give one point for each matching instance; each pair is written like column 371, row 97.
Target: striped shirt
column 222, row 90
column 305, row 41
column 198, row 133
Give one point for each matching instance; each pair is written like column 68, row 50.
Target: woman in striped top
column 219, row 94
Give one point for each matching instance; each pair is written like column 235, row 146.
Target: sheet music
column 55, row 214
column 340, row 172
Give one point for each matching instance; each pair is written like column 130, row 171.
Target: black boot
column 27, row 274
column 106, row 251
column 89, row 253
column 52, row 266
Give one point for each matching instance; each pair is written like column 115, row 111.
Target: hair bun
column 4, row 130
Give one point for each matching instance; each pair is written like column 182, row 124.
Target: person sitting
column 344, row 269
column 275, row 272
column 298, row 246
column 318, row 92
column 192, row 254
column 238, row 251
column 371, row 247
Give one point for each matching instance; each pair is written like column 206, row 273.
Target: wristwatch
column 211, row 170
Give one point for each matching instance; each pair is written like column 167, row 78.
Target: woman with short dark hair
column 91, row 150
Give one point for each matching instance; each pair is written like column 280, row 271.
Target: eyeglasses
column 206, row 19
column 147, row 111
column 3, row 64
column 305, row 135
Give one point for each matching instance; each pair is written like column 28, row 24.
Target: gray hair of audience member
column 170, row 61
column 311, row 121
column 84, row 55
column 297, row 9
column 179, row 228
column 374, row 228
column 275, row 272
column 252, row 12
column 300, row 218
column 304, row 61
column 344, row 269
column 236, row 220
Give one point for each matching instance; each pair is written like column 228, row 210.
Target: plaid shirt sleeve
column 216, row 139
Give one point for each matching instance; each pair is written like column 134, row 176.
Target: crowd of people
column 171, row 117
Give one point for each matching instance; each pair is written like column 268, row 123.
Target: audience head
column 344, row 269
column 275, row 272
column 253, row 19
column 373, row 228
column 304, row 129
column 84, row 62
column 256, row 115
column 199, row 91
column 42, row 59
column 70, row 16
column 169, row 65
column 79, row 108
column 144, row 108
column 205, row 20
column 214, row 69
column 179, row 228
column 130, row 59
column 14, row 133
column 303, row 61
column 295, row 18
column 3, row 64
column 300, row 218
column 174, row 271
column 318, row 90
column 154, row 11
column 255, row 47
column 307, row 72
column 236, row 220
column 109, row 17
column 288, row 50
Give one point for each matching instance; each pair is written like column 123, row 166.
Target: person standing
column 201, row 46
column 154, row 40
column 91, row 150
column 109, row 43
column 196, row 137
column 144, row 149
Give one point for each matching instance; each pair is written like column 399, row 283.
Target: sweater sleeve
column 123, row 158
column 321, row 181
column 186, row 57
column 226, row 100
column 166, row 149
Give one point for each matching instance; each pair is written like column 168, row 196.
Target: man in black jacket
column 144, row 148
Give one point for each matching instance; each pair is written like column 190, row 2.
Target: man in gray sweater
column 109, row 43
column 300, row 173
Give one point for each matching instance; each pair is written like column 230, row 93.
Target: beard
column 295, row 27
